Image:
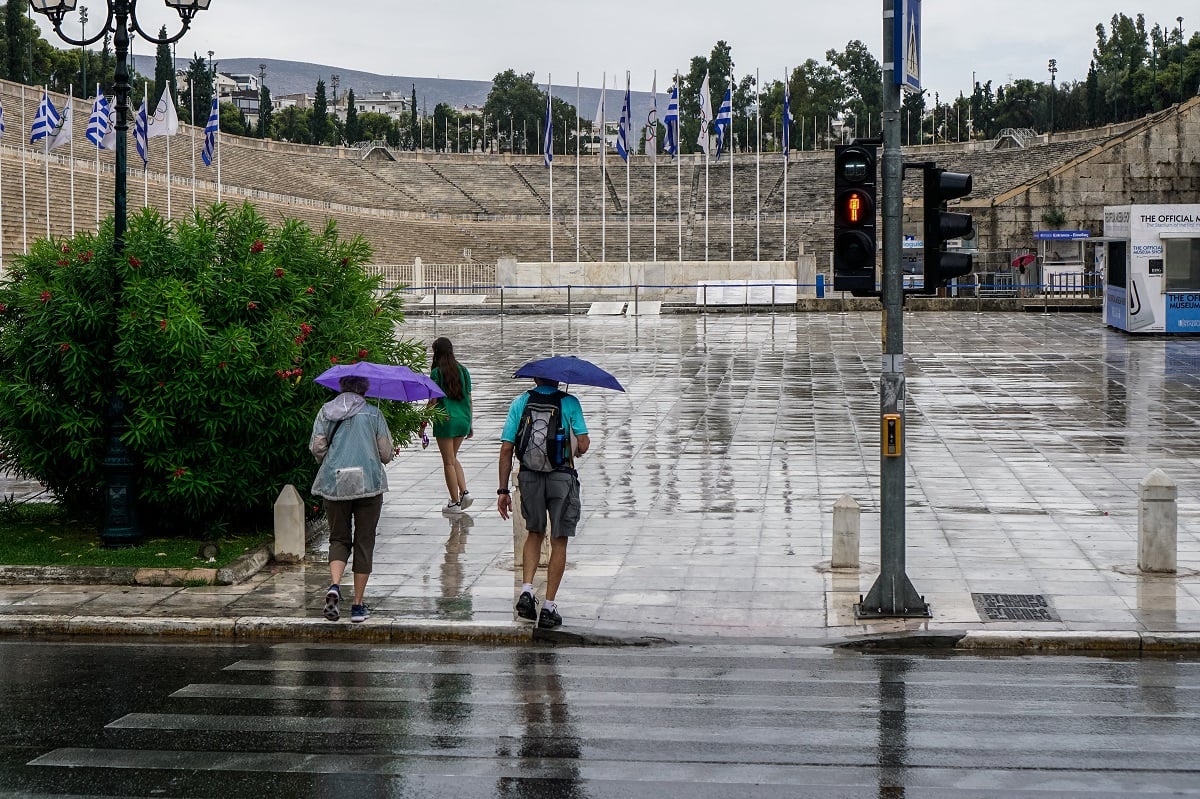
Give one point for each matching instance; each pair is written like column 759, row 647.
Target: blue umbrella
column 571, row 370
column 386, row 381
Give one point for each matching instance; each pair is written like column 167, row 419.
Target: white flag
column 62, row 136
column 165, row 121
column 706, row 115
column 651, row 147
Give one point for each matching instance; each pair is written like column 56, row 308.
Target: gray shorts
column 549, row 494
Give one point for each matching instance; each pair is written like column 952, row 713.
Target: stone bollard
column 846, row 527
column 289, row 526
column 519, row 531
column 1158, row 523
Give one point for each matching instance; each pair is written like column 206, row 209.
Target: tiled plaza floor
column 709, row 490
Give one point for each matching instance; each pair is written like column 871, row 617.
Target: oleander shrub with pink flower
column 210, row 330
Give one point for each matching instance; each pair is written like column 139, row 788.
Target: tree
column 16, row 42
column 213, row 341
column 375, row 126
column 265, row 114
column 519, row 105
column 414, row 132
column 293, row 124
column 232, row 119
column 859, row 72
column 353, row 132
column 164, row 69
column 320, row 115
column 197, row 97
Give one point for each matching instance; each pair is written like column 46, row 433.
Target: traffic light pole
column 892, row 594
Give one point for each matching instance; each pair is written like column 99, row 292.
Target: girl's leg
column 460, row 476
column 450, row 468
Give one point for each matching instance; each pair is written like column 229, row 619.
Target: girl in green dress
column 454, row 379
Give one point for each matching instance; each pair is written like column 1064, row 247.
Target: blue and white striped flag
column 100, row 122
column 210, row 134
column 45, row 121
column 1, row 119
column 623, row 126
column 671, row 122
column 548, row 136
column 140, row 126
column 724, row 119
column 787, row 119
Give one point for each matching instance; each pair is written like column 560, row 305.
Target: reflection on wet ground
column 709, row 490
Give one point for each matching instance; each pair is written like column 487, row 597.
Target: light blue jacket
column 352, row 453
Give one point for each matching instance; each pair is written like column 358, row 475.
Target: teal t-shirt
column 458, row 411
column 572, row 414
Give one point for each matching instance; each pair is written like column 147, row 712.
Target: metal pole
column 893, row 593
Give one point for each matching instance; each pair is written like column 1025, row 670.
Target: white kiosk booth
column 1150, row 259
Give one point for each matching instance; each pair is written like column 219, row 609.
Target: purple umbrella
column 386, row 381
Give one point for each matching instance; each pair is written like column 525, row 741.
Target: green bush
column 212, row 340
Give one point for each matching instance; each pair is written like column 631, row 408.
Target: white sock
column 550, row 605
column 527, row 588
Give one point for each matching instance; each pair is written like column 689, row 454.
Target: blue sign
column 1183, row 313
column 1061, row 235
column 906, row 43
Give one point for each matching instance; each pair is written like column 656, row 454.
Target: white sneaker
column 452, row 508
column 465, row 501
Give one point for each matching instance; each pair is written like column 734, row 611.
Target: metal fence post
column 568, row 299
column 502, row 300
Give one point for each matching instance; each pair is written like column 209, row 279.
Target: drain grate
column 1014, row 607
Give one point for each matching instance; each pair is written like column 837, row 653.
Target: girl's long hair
column 449, row 377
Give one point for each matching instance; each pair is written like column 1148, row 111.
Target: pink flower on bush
column 3, row 308
column 64, row 347
column 278, row 272
column 134, row 262
column 84, row 257
column 250, row 306
column 44, row 296
column 179, row 472
column 63, row 262
column 333, row 359
column 66, row 248
column 345, row 262
column 257, row 246
column 362, row 353
column 162, row 324
column 309, row 290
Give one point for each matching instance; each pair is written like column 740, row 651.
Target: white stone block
column 847, row 521
column 1158, row 523
column 289, row 525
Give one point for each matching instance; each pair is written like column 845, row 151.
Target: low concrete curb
column 1034, row 641
column 267, row 628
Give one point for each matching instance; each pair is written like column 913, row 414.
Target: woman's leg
column 450, row 468
column 458, row 469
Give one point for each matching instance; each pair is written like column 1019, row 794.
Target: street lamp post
column 83, row 18
column 1181, row 54
column 1053, row 68
column 120, row 523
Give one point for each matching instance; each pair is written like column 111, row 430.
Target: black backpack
column 541, row 438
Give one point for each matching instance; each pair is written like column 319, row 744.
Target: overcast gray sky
column 475, row 39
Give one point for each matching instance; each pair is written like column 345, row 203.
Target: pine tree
column 15, row 34
column 265, row 113
column 164, row 69
column 413, row 132
column 353, row 134
column 320, row 115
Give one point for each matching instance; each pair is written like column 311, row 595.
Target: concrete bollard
column 289, row 526
column 1158, row 523
column 519, row 531
column 846, row 528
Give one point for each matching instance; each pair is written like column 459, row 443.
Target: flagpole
column 729, row 130
column 628, row 157
column 46, row 167
column 785, row 164
column 24, row 206
column 146, row 163
column 550, row 153
column 678, row 168
column 192, row 117
column 757, row 167
column 654, row 162
column 98, row 168
column 603, row 176
column 217, row 136
column 2, row 199
column 170, row 99
column 578, row 155
column 71, row 151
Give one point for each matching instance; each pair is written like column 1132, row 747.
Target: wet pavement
column 709, row 490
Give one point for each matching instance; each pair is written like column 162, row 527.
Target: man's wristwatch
column 502, row 491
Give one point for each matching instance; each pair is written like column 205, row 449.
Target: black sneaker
column 527, row 606
column 332, row 597
column 549, row 619
column 359, row 613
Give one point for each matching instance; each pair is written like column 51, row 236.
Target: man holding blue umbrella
column 545, row 430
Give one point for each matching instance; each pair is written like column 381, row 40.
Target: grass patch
column 42, row 534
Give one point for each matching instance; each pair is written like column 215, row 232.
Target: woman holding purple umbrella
column 351, row 441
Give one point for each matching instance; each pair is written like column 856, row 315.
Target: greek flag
column 623, row 126
column 210, row 134
column 140, row 125
column 1, row 118
column 100, row 121
column 671, row 121
column 724, row 120
column 45, row 121
column 787, row 119
column 548, row 137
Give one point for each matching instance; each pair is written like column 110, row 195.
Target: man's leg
column 558, row 564
column 531, row 553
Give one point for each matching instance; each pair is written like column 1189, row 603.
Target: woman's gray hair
column 354, row 383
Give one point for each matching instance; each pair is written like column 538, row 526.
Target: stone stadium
column 475, row 211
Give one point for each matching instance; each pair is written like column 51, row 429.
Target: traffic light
column 940, row 266
column 855, row 167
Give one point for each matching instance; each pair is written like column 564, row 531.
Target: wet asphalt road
column 295, row 720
